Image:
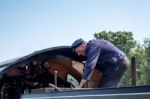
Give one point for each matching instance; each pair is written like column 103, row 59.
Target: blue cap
column 77, row 43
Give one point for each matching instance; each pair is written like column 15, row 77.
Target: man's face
column 80, row 50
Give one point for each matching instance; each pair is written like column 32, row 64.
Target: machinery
column 50, row 69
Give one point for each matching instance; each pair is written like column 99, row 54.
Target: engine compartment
column 54, row 70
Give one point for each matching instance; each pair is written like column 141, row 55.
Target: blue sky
column 30, row 25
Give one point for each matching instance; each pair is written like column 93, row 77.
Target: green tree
column 147, row 49
column 147, row 67
column 139, row 53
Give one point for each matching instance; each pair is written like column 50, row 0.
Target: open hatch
column 48, row 70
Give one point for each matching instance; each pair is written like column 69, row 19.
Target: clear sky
column 30, row 25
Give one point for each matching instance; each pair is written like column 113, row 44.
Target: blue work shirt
column 103, row 55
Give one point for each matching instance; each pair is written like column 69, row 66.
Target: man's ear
column 83, row 44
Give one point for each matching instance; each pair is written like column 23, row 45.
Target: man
column 104, row 56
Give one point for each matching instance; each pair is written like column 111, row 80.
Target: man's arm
column 82, row 83
column 92, row 57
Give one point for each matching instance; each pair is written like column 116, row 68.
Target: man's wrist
column 82, row 83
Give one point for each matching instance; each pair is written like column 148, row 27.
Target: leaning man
column 104, row 56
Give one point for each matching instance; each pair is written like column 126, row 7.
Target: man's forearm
column 82, row 83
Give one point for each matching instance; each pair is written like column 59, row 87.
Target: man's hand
column 82, row 83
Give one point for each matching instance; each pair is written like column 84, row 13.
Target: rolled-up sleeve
column 93, row 53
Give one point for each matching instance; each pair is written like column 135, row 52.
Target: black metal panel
column 48, row 53
column 100, row 91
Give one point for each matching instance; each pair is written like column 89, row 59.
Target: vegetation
column 125, row 41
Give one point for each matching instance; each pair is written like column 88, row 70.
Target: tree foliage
column 139, row 53
column 147, row 55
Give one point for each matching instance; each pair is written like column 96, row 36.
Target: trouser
column 115, row 76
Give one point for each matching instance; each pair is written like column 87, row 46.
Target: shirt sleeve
column 93, row 53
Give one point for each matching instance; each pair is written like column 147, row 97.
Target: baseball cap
column 77, row 43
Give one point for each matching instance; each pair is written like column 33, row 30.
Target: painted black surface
column 121, row 90
column 49, row 53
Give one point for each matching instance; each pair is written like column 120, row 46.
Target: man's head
column 79, row 47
